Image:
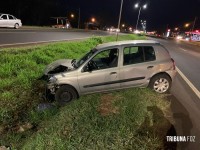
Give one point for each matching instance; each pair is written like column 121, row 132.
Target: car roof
column 3, row 14
column 128, row 42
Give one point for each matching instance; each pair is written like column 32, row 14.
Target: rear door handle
column 113, row 73
column 149, row 67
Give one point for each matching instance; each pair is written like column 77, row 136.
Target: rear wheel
column 16, row 26
column 65, row 94
column 160, row 83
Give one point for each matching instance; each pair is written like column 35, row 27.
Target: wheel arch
column 161, row 73
column 17, row 24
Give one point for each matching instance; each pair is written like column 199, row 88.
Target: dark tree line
column 34, row 12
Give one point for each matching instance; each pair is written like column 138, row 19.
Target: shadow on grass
column 183, row 123
column 157, row 126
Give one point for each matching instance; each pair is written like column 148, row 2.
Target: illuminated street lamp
column 72, row 15
column 140, row 7
column 78, row 16
column 187, row 25
column 123, row 25
column 176, row 29
column 93, row 19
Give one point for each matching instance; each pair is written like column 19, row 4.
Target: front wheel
column 16, row 26
column 65, row 94
column 160, row 83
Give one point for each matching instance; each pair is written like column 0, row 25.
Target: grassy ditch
column 21, row 67
column 129, row 119
column 81, row 124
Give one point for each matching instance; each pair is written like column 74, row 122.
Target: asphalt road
column 185, row 107
column 185, row 104
column 9, row 37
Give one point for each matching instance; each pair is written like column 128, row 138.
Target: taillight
column 174, row 65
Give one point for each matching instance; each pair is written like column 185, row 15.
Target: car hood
column 55, row 64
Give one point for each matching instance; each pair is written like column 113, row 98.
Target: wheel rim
column 65, row 96
column 16, row 26
column 161, row 85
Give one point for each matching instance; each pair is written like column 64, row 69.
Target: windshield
column 85, row 58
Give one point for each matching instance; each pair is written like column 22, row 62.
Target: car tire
column 65, row 94
column 16, row 26
column 160, row 83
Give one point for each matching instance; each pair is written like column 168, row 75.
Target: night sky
column 159, row 13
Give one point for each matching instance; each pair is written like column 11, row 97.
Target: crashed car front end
column 56, row 67
column 51, row 84
column 59, row 66
column 63, row 74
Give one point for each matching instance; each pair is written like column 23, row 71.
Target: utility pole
column 194, row 23
column 120, row 13
column 138, row 17
column 79, row 16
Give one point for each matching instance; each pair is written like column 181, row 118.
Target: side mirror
column 73, row 61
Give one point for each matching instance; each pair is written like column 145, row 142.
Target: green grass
column 104, row 121
column 82, row 124
column 20, row 68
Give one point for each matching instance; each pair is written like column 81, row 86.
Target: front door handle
column 149, row 67
column 113, row 73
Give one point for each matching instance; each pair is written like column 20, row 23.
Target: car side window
column 10, row 17
column 149, row 53
column 133, row 55
column 4, row 17
column 105, row 59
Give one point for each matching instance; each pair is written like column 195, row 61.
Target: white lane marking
column 38, row 42
column 17, row 32
column 189, row 83
column 183, row 49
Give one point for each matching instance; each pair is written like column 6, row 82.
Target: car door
column 11, row 21
column 4, row 20
column 136, row 67
column 101, row 73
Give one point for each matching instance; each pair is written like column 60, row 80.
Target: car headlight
column 52, row 79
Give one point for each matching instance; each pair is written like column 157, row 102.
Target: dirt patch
column 107, row 105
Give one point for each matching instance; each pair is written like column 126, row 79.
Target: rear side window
column 149, row 53
column 4, row 16
column 138, row 54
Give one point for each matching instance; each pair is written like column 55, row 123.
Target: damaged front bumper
column 50, row 87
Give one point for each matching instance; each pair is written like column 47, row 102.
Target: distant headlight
column 179, row 37
column 187, row 38
column 52, row 79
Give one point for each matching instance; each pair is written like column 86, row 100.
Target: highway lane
column 185, row 105
column 187, row 58
column 11, row 36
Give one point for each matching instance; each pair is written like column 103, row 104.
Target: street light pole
column 194, row 23
column 138, row 17
column 79, row 16
column 136, row 6
column 120, row 13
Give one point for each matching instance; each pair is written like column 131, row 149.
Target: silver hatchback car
column 112, row 66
